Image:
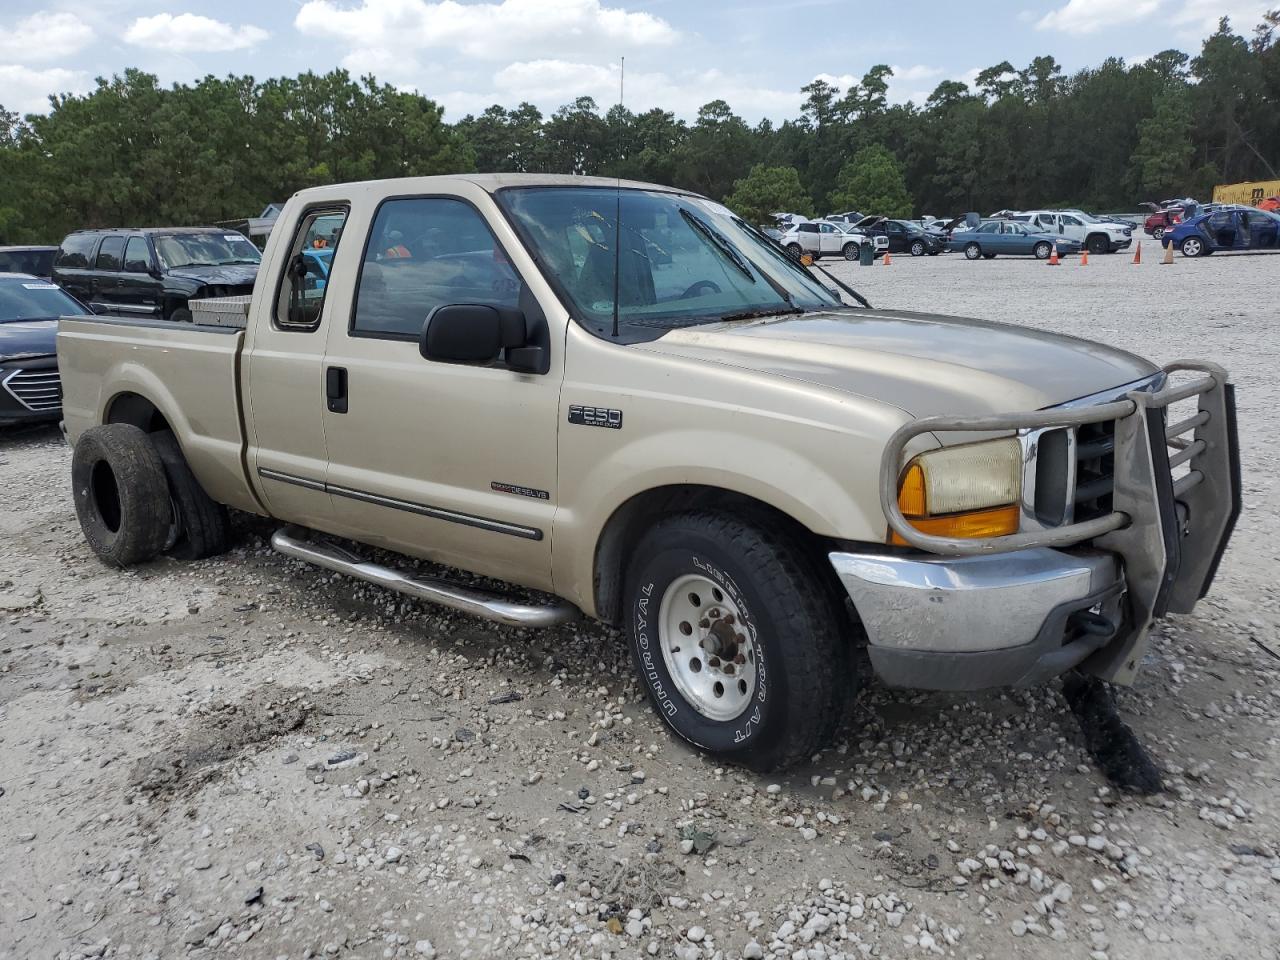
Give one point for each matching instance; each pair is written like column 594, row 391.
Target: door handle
column 335, row 389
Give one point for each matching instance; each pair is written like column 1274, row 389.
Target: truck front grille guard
column 1169, row 532
column 1208, row 453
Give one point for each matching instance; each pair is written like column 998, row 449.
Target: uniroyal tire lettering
column 651, row 674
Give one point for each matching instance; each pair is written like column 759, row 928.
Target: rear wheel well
column 138, row 410
column 629, row 522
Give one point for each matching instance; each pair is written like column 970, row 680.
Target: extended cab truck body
column 666, row 423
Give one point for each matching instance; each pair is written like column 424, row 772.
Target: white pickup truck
column 628, row 400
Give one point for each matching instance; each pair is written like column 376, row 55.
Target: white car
column 1097, row 236
column 822, row 239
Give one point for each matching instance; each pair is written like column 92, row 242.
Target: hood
column 232, row 275
column 20, row 339
column 922, row 363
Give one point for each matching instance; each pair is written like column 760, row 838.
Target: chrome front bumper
column 966, row 623
column 1155, row 551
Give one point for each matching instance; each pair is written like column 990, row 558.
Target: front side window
column 428, row 252
column 674, row 259
column 137, row 259
column 1071, row 221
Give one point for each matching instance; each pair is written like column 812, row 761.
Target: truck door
column 139, row 285
column 448, row 461
column 106, row 282
column 283, row 377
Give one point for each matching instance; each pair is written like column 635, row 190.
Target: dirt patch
column 224, row 732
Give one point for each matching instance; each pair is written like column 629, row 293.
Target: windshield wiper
column 843, row 286
column 762, row 312
column 228, row 263
column 725, row 248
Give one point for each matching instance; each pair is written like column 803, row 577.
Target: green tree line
column 1105, row 137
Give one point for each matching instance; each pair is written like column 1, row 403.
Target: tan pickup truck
column 633, row 405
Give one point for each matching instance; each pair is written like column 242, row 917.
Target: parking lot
column 244, row 757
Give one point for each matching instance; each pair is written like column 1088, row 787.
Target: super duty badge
column 595, row 416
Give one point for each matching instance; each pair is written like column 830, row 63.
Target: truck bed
column 188, row 372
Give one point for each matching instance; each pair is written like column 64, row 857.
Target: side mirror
column 477, row 333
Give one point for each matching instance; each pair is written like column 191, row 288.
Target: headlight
column 966, row 491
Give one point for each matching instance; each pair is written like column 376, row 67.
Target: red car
column 1161, row 219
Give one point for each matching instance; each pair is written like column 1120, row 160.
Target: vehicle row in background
column 154, row 272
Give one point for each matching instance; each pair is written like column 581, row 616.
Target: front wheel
column 794, row 250
column 972, row 251
column 917, row 248
column 1193, row 247
column 1043, row 250
column 1097, row 244
column 737, row 637
column 850, row 251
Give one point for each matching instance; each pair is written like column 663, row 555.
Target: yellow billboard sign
column 1249, row 193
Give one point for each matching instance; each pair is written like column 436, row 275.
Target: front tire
column 972, row 251
column 917, row 248
column 1097, row 243
column 850, row 251
column 121, row 494
column 794, row 250
column 1043, row 250
column 737, row 638
column 181, row 315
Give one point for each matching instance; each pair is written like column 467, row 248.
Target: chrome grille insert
column 38, row 390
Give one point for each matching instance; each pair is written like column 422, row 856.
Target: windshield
column 682, row 260
column 204, row 250
column 34, row 300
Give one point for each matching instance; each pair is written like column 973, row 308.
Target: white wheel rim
column 707, row 647
column 1191, row 248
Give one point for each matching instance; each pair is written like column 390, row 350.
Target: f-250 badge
column 595, row 416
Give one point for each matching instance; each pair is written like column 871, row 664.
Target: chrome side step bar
column 292, row 542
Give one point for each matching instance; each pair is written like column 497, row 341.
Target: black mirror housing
column 473, row 333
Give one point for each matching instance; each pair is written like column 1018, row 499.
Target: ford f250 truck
column 628, row 403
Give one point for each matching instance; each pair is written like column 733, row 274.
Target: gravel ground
column 246, row 758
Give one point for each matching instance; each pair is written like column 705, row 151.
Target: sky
column 680, row 54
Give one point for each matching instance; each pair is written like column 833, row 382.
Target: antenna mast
column 617, row 201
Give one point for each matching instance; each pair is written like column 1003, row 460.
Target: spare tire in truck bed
column 121, row 494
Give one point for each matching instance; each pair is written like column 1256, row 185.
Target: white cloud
column 26, row 90
column 1198, row 18
column 550, row 83
column 44, row 36
column 191, row 33
column 1089, row 16
column 388, row 36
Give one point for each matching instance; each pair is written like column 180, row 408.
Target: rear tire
column 1158, row 233
column 737, row 637
column 972, row 251
column 121, row 494
column 202, row 527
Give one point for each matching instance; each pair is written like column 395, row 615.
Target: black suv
column 154, row 272
column 904, row 236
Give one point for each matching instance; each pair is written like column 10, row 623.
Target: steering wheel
column 699, row 289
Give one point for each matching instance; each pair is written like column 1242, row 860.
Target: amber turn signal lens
column 996, row 522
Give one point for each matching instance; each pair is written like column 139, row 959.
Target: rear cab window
column 301, row 295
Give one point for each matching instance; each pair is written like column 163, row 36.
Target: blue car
column 319, row 262
column 1231, row 229
column 1010, row 238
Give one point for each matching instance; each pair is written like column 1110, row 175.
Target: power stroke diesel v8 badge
column 595, row 416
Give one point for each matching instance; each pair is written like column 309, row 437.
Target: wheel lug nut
column 739, row 659
column 713, row 661
column 704, row 623
column 729, row 669
column 730, row 619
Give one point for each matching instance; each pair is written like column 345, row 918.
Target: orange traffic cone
column 1084, row 256
column 888, row 260
column 1168, row 253
column 1137, row 254
column 1053, row 257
